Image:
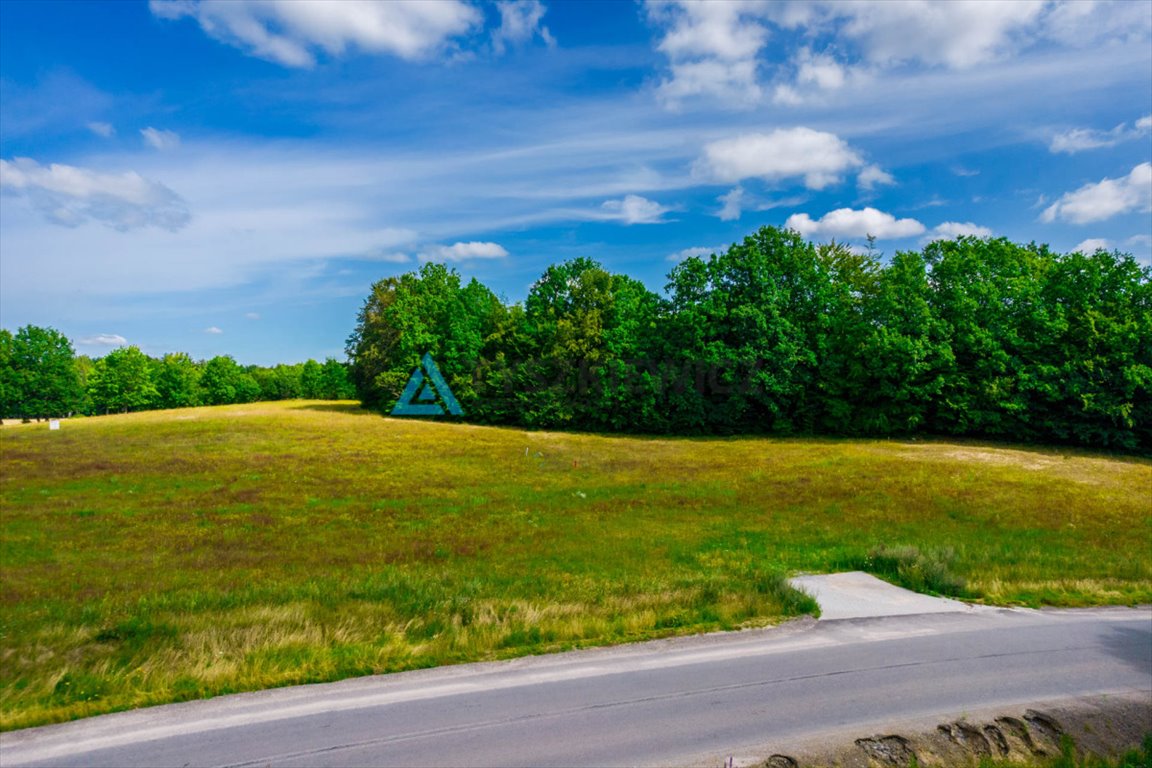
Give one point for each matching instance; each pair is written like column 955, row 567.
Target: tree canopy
column 979, row 337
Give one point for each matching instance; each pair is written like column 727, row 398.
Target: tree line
column 42, row 377
column 976, row 337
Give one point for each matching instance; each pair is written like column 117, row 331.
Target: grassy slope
column 170, row 555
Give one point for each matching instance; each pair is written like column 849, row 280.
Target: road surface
column 668, row 702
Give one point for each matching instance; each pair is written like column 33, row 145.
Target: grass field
column 171, row 555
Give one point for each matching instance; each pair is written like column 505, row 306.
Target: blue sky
column 230, row 177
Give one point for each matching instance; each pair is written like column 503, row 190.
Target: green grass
column 1068, row 758
column 172, row 555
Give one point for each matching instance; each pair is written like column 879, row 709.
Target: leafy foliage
column 122, row 381
column 128, row 380
column 969, row 337
column 979, row 337
column 37, row 374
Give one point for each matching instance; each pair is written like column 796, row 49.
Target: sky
column 231, row 177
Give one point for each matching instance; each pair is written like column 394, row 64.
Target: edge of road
column 1101, row 726
column 141, row 725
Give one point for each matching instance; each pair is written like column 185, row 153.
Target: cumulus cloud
column 104, row 130
column 633, row 209
column 1093, row 244
column 816, row 74
column 70, row 196
column 699, row 251
column 289, row 32
column 519, row 23
column 716, row 49
column 847, row 222
column 711, row 48
column 1105, row 199
column 873, row 176
column 213, row 330
column 954, row 35
column 463, row 252
column 820, row 158
column 104, row 340
column 158, row 139
column 732, row 201
column 1080, row 139
column 950, row 230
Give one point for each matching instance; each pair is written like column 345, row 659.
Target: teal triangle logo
column 425, row 385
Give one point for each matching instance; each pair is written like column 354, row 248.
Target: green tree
column 44, row 378
column 85, row 366
column 312, row 380
column 588, row 333
column 904, row 357
column 989, row 295
column 9, row 383
column 1091, row 377
column 565, row 314
column 334, row 383
column 177, row 379
column 247, row 388
column 418, row 312
column 850, row 282
column 746, row 336
column 220, row 381
column 121, row 381
column 281, row 382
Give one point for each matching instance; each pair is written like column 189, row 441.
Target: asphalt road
column 662, row 703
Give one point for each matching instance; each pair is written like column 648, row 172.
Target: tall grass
column 164, row 556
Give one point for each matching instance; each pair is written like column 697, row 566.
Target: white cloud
column 213, row 330
column 731, row 82
column 815, row 74
column 252, row 315
column 289, row 32
column 957, row 35
column 846, row 222
column 820, row 158
column 634, row 209
column 1080, row 139
column 731, row 210
column 519, row 23
column 463, row 252
column 699, row 251
column 1139, row 240
column 873, row 176
column 1091, row 23
column 1105, row 199
column 70, row 196
column 105, row 130
column 950, row 230
column 158, row 139
column 711, row 48
column 716, row 49
column 104, row 340
column 1093, row 244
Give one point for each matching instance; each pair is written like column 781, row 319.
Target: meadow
column 162, row 556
